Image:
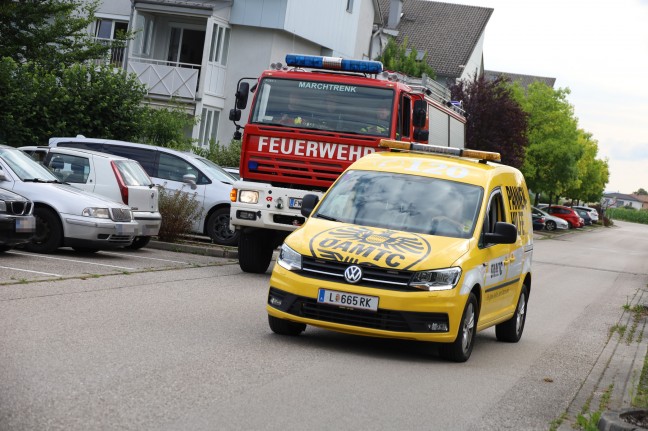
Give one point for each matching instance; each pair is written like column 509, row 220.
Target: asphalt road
column 171, row 341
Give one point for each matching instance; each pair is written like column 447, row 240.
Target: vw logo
column 353, row 274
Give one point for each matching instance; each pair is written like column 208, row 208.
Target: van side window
column 495, row 211
column 174, row 168
column 145, row 157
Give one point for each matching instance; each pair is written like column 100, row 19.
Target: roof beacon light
column 436, row 149
column 334, row 63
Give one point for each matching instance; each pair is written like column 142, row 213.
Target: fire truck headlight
column 441, row 279
column 249, row 196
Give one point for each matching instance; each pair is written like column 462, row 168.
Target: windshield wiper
column 325, row 217
column 40, row 180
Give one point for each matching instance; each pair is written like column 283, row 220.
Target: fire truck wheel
column 255, row 251
column 217, row 228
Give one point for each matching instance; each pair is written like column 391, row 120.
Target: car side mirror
column 505, row 233
column 309, row 202
column 190, row 179
column 3, row 177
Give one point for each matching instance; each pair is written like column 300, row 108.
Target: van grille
column 376, row 277
column 119, row 214
column 19, row 207
column 387, row 320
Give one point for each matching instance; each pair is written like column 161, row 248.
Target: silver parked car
column 118, row 178
column 65, row 216
column 17, row 223
column 551, row 222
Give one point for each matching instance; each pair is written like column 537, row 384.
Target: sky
column 599, row 51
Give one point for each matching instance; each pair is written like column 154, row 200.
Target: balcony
column 166, row 78
column 115, row 56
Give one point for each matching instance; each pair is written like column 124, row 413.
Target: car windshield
column 26, row 168
column 403, row 202
column 133, row 173
column 216, row 171
column 324, row 106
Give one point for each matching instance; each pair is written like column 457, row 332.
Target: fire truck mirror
column 420, row 113
column 421, row 135
column 242, row 95
column 235, row 114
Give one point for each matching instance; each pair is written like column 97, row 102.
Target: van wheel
column 511, row 330
column 218, row 228
column 461, row 348
column 255, row 251
column 285, row 327
column 550, row 225
column 49, row 232
column 139, row 242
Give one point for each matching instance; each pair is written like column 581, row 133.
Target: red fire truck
column 309, row 120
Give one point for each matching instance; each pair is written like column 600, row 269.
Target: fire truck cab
column 309, row 120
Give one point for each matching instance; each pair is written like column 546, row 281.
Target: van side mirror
column 505, row 233
column 420, row 113
column 242, row 95
column 309, row 202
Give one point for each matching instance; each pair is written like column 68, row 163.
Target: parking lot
column 18, row 266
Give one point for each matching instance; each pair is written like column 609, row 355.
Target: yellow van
column 421, row 242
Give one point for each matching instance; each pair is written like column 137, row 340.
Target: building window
column 109, row 28
column 143, row 35
column 208, row 126
column 219, row 50
column 349, row 7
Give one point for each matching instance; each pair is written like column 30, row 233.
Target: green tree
column 167, row 127
column 496, row 121
column 49, row 32
column 593, row 174
column 551, row 162
column 397, row 59
column 641, row 192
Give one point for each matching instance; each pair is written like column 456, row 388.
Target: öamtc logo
column 380, row 247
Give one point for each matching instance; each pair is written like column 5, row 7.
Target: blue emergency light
column 334, row 63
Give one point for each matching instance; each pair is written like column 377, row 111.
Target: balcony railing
column 166, row 78
column 115, row 56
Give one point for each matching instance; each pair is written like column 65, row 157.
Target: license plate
column 125, row 229
column 295, row 203
column 344, row 299
column 26, row 224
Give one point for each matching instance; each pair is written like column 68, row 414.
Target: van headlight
column 289, row 258
column 96, row 212
column 439, row 279
column 248, row 196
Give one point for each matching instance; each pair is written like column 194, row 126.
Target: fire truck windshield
column 325, row 106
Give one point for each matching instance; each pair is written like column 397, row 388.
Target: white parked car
column 65, row 215
column 551, row 222
column 118, row 178
column 590, row 211
column 176, row 170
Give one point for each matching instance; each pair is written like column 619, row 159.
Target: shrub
column 626, row 214
column 180, row 210
column 222, row 155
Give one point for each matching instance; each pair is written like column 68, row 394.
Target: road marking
column 40, row 256
column 26, row 270
column 144, row 257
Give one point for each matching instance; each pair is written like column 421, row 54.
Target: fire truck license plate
column 295, row 203
column 343, row 299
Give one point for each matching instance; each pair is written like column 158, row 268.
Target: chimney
column 395, row 11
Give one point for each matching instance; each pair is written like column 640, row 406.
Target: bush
column 222, row 155
column 180, row 210
column 626, row 214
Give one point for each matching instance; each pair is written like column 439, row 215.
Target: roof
column 524, row 80
column 621, row 196
column 447, row 32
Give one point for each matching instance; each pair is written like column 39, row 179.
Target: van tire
column 255, row 251
column 217, row 228
column 49, row 232
column 461, row 348
column 511, row 330
column 285, row 327
column 139, row 242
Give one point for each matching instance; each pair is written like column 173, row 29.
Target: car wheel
column 255, row 251
column 49, row 232
column 461, row 348
column 511, row 330
column 285, row 327
column 550, row 225
column 85, row 249
column 218, row 228
column 570, row 225
column 139, row 242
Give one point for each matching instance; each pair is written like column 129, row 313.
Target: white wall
column 474, row 63
column 121, row 8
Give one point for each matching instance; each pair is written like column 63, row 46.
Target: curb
column 205, row 250
column 613, row 421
